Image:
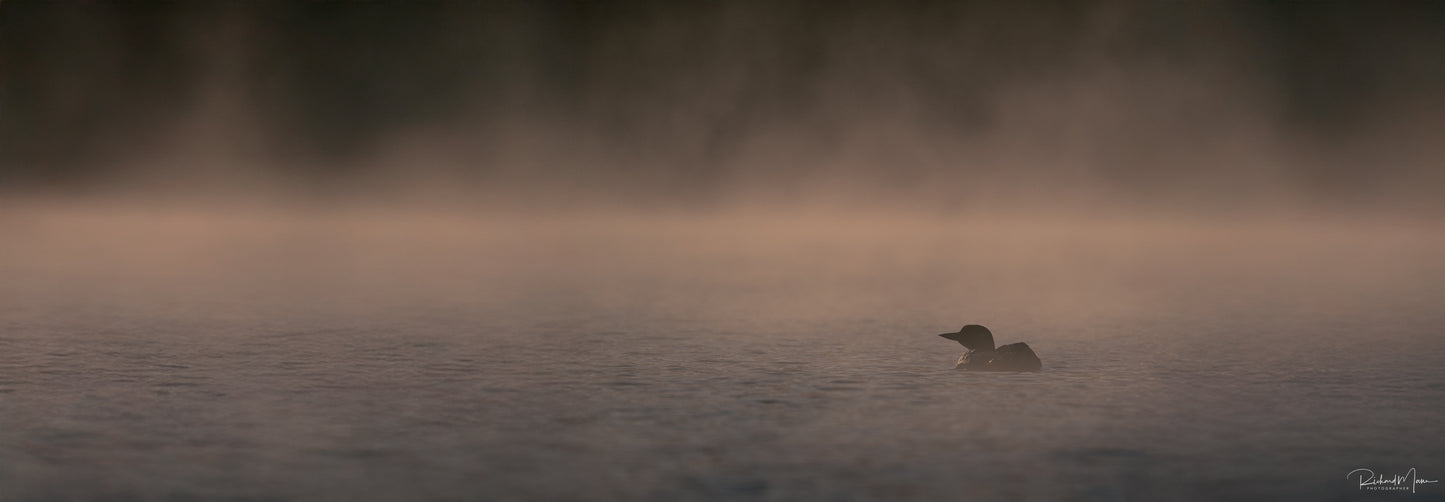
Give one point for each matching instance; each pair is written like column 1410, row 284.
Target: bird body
column 981, row 355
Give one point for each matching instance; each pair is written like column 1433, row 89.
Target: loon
column 983, row 356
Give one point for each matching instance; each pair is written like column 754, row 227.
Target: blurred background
column 936, row 106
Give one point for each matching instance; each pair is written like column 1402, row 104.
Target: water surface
column 273, row 364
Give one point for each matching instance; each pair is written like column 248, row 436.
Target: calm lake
column 179, row 356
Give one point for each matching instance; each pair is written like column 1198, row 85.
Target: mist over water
column 330, row 354
column 649, row 251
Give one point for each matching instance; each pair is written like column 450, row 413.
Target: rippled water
column 682, row 394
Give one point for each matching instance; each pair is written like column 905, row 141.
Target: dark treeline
column 675, row 90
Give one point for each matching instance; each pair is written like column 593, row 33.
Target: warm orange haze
column 761, row 264
column 670, row 251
